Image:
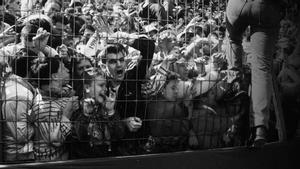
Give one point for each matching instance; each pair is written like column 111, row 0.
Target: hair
column 76, row 3
column 74, row 63
column 42, row 21
column 86, row 26
column 9, row 18
column 112, row 49
column 170, row 34
column 24, row 59
column 89, row 75
column 42, row 70
column 29, row 31
column 76, row 23
column 2, row 2
column 59, row 18
column 58, row 2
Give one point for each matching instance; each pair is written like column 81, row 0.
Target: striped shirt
column 18, row 131
column 52, row 128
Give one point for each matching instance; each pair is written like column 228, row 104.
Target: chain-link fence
column 94, row 78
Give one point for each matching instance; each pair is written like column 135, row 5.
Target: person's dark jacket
column 130, row 102
column 129, row 98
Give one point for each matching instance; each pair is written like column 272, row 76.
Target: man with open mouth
column 124, row 87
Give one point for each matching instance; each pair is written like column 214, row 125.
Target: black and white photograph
column 150, row 84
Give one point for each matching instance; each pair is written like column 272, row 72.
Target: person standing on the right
column 263, row 17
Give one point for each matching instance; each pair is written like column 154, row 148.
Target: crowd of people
column 98, row 78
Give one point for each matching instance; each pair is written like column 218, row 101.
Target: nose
column 118, row 63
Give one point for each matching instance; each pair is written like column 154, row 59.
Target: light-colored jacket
column 17, row 100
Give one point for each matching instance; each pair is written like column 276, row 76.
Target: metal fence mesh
column 95, row 78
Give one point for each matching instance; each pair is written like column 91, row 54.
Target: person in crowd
column 153, row 11
column 166, row 43
column 32, row 37
column 53, row 112
column 181, row 84
column 17, row 99
column 87, row 32
column 263, row 18
column 96, row 126
column 125, row 84
column 60, row 30
column 77, row 66
column 52, row 7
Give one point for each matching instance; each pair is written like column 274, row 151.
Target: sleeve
column 80, row 128
column 50, row 52
column 117, row 127
column 146, row 47
column 53, row 127
column 4, row 55
column 156, row 83
column 17, row 118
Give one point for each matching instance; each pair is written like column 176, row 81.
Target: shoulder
column 16, row 87
column 156, row 6
column 10, row 49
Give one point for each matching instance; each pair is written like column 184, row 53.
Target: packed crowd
column 91, row 78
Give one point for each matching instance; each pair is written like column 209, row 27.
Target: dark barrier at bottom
column 273, row 156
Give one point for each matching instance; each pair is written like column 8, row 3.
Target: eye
column 173, row 87
column 88, row 67
column 112, row 61
column 122, row 59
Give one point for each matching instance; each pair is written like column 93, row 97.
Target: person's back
column 17, row 99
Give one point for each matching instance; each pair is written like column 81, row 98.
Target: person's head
column 50, row 73
column 22, row 61
column 52, row 7
column 170, row 91
column 175, row 89
column 88, row 18
column 14, row 7
column 87, row 31
column 94, row 85
column 187, row 37
column 75, row 24
column 30, row 26
column 27, row 33
column 167, row 40
column 182, row 67
column 126, row 24
column 113, row 56
column 60, row 23
column 79, row 65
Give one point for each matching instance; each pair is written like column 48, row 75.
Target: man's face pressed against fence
column 116, row 65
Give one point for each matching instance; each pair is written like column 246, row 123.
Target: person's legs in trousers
column 264, row 20
column 264, row 33
column 236, row 23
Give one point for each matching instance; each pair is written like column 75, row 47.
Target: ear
column 53, row 76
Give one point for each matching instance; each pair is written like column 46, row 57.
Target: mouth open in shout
column 120, row 72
